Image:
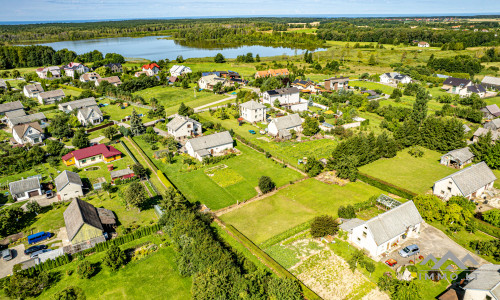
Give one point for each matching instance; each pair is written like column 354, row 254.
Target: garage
column 33, row 194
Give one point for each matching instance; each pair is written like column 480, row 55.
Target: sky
column 59, row 10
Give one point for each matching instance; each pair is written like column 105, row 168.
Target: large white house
column 32, row 90
column 25, row 188
column 208, row 145
column 51, row 97
column 470, row 182
column 484, row 283
column 253, row 111
column 384, row 232
column 208, row 82
column 29, row 133
column 74, row 68
column 282, row 126
column 288, row 98
column 395, row 78
column 181, row 127
column 151, row 69
column 69, row 185
column 90, row 115
column 53, row 72
column 177, row 70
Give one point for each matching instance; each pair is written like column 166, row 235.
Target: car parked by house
column 7, row 254
column 34, row 249
column 409, row 250
column 35, row 254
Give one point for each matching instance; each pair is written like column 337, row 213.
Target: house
column 82, row 222
column 29, row 133
column 177, row 70
column 121, row 174
column 492, row 125
column 457, row 158
column 53, row 72
column 140, row 73
column 395, row 78
column 337, row 83
column 68, row 107
column 25, row 188
column 182, row 127
column 253, row 111
column 90, row 115
column 113, row 80
column 484, row 283
column 470, row 182
column 115, row 67
column 91, row 76
column 209, row 145
column 36, row 117
column 423, row 44
column 287, row 97
column 272, row 73
column 282, row 126
column 456, row 86
column 303, row 85
column 229, row 74
column 69, row 185
column 490, row 111
column 495, row 135
column 151, row 69
column 173, row 79
column 32, row 90
column 51, row 97
column 91, row 155
column 73, row 69
column 475, row 89
column 14, row 108
column 3, row 85
column 492, row 83
column 208, row 82
column 384, row 232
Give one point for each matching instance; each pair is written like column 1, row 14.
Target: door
column 34, row 193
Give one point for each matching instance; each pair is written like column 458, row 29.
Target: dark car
column 33, row 249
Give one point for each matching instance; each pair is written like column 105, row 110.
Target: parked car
column 391, row 262
column 252, row 131
column 35, row 254
column 409, row 250
column 33, row 249
column 38, row 237
column 7, row 254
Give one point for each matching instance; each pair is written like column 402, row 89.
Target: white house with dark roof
column 69, row 185
column 289, row 98
column 51, row 97
column 395, row 78
column 68, row 107
column 490, row 111
column 253, row 111
column 457, row 158
column 484, row 283
column 90, row 115
column 490, row 82
column 470, row 182
column 386, row 231
column 209, row 145
column 25, row 188
column 32, row 90
column 282, row 126
column 182, row 126
column 29, row 133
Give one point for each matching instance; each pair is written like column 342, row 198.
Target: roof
column 212, row 79
column 113, row 64
column 486, row 278
column 22, row 128
column 27, row 118
column 80, row 103
column 442, row 76
column 179, row 68
column 252, row 105
column 34, row 87
column 462, row 154
column 350, row 224
column 284, row 91
column 491, row 80
column 150, row 66
column 79, row 213
column 10, row 106
column 272, row 72
column 210, row 141
column 66, row 178
column 51, row 94
column 472, row 178
column 476, row 89
column 495, row 122
column 338, row 79
column 87, row 76
column 112, row 79
column 286, row 122
column 178, row 121
column 106, row 216
column 495, row 135
column 492, row 109
column 456, row 81
column 106, row 151
column 87, row 111
column 15, row 113
column 24, row 185
column 120, row 173
column 303, row 83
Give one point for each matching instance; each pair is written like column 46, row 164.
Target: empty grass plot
column 223, row 175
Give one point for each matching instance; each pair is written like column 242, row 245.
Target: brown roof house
column 29, row 133
column 337, row 83
column 113, row 80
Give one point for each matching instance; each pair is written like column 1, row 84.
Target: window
column 449, row 188
column 364, row 234
column 359, row 240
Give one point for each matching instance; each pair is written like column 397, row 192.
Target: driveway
column 6, row 266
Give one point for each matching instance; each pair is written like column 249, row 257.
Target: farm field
column 221, row 188
column 294, row 205
column 405, row 171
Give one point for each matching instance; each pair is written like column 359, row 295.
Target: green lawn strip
column 154, row 179
column 372, row 86
column 496, row 184
column 117, row 113
column 414, row 174
column 294, row 205
column 71, row 92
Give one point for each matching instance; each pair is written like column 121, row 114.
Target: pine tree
column 136, row 126
column 183, row 109
column 419, row 112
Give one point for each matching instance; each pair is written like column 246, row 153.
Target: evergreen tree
column 266, row 184
column 114, row 258
column 310, row 126
column 219, row 58
column 135, row 195
column 80, row 140
column 183, row 109
column 136, row 126
column 323, row 225
column 419, row 112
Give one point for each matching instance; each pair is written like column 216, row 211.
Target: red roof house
column 151, row 69
column 91, row 155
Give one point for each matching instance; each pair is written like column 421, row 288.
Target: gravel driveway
column 6, row 266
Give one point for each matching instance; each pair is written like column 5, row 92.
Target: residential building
column 29, row 133
column 90, row 115
column 121, row 174
column 32, row 90
column 74, row 69
column 140, row 73
column 423, row 44
column 177, row 70
column 253, row 111
column 151, row 69
column 18, row 120
column 91, row 155
column 68, row 107
column 492, row 83
column 208, row 82
column 53, row 72
column 183, row 127
column 82, row 222
column 15, row 108
column 395, row 78
column 113, row 80
column 483, row 283
column 288, row 98
column 386, row 231
column 3, row 85
column 470, row 182
column 490, row 111
column 209, row 145
column 305, row 86
column 457, row 158
column 476, row 89
column 492, row 125
column 51, row 97
column 462, row 87
column 281, row 127
column 272, row 73
column 495, row 135
column 25, row 188
column 69, row 185
column 115, row 67
column 91, row 76
column 337, row 83
column 224, row 74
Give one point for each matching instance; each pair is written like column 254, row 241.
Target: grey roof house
column 82, row 222
column 491, row 82
column 209, row 145
column 25, row 188
column 11, row 107
column 69, row 185
column 90, row 115
column 492, row 125
column 281, row 127
column 457, row 158
column 72, row 105
column 495, row 135
column 182, row 126
column 484, row 283
column 490, row 111
column 51, row 97
column 18, row 120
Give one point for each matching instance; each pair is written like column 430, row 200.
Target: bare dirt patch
column 330, row 177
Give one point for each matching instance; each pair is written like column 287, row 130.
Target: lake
column 156, row 48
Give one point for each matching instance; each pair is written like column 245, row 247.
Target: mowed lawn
column 294, row 205
column 372, row 86
column 414, row 174
column 236, row 183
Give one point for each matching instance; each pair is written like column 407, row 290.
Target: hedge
column 386, row 186
column 155, row 168
column 164, row 179
column 488, row 228
column 286, row 234
column 129, row 152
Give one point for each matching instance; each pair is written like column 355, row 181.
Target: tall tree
column 136, row 126
column 419, row 112
column 135, row 195
column 80, row 140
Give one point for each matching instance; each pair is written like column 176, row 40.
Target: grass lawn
column 116, row 112
column 414, row 174
column 372, row 86
column 227, row 186
column 296, row 204
column 71, row 92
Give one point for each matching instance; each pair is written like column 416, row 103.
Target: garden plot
column 223, row 175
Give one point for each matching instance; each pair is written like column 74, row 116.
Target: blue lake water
column 156, row 48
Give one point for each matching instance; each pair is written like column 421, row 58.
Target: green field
column 217, row 191
column 294, row 205
column 116, row 112
column 414, row 174
column 372, row 86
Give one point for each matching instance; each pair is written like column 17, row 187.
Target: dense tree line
column 456, row 64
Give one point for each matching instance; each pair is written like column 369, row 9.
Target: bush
column 85, row 269
column 346, row 212
column 70, row 293
column 266, row 184
column 323, row 225
column 114, row 258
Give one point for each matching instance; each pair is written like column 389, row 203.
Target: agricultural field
column 294, row 205
column 405, row 171
column 224, row 183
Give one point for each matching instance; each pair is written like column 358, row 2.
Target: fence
column 129, row 152
column 99, row 127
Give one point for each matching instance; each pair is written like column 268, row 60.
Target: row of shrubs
column 386, row 186
column 488, row 228
column 209, row 160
